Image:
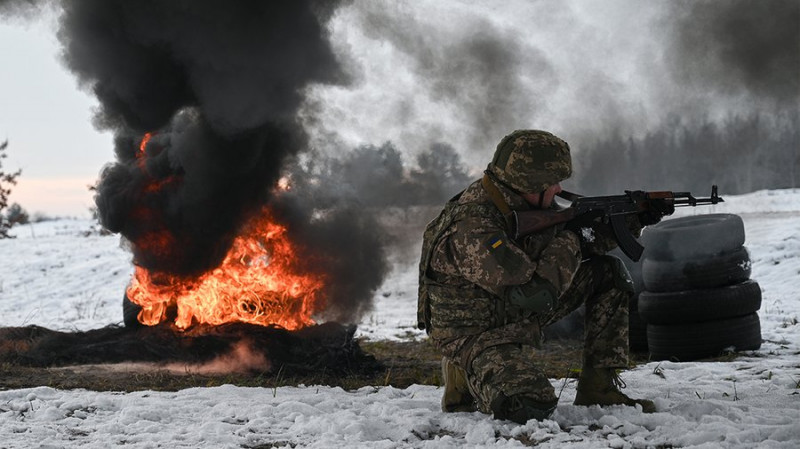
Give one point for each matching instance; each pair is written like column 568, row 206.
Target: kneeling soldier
column 484, row 297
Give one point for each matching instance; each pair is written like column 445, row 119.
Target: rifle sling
column 497, row 199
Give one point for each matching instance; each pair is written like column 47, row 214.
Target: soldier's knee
column 520, row 408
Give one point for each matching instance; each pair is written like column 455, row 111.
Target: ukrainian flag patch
column 501, row 250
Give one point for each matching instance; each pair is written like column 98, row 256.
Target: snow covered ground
column 58, row 276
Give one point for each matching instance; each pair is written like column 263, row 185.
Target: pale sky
column 46, row 119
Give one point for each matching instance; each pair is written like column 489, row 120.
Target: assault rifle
column 611, row 210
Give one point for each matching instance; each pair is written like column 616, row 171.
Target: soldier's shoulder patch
column 496, row 241
column 501, row 252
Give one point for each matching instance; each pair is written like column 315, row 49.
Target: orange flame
column 143, row 144
column 155, row 185
column 141, row 155
column 254, row 284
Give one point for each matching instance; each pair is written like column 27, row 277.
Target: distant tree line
column 742, row 154
column 377, row 176
column 6, row 181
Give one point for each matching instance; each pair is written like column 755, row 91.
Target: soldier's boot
column 456, row 397
column 601, row 386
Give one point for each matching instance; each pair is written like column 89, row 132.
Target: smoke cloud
column 219, row 85
column 237, row 63
column 481, row 69
column 737, row 47
column 467, row 73
column 203, row 97
column 24, row 9
column 732, row 96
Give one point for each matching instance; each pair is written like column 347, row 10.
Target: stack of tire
column 698, row 299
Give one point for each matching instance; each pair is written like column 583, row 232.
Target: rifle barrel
column 696, row 201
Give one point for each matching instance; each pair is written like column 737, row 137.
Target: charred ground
column 397, row 363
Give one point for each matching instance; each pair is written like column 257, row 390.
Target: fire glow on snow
column 60, row 279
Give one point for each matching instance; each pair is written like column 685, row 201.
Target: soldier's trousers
column 513, row 370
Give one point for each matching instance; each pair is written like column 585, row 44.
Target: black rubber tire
column 686, row 342
column 694, row 237
column 130, row 312
column 677, row 275
column 694, row 306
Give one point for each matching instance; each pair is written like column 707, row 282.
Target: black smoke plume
column 203, row 98
column 218, row 84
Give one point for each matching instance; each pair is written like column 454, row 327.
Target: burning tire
column 693, row 341
column 707, row 272
column 130, row 312
column 694, row 306
column 695, row 237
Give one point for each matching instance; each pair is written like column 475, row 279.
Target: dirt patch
column 399, row 364
column 395, row 363
column 402, row 367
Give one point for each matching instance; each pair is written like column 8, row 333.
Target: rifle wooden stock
column 529, row 221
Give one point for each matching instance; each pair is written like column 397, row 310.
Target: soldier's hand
column 580, row 224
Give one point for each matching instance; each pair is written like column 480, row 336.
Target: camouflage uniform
column 471, row 269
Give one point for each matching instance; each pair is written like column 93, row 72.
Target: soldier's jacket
column 468, row 261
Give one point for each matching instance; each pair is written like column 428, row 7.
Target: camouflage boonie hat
column 530, row 161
